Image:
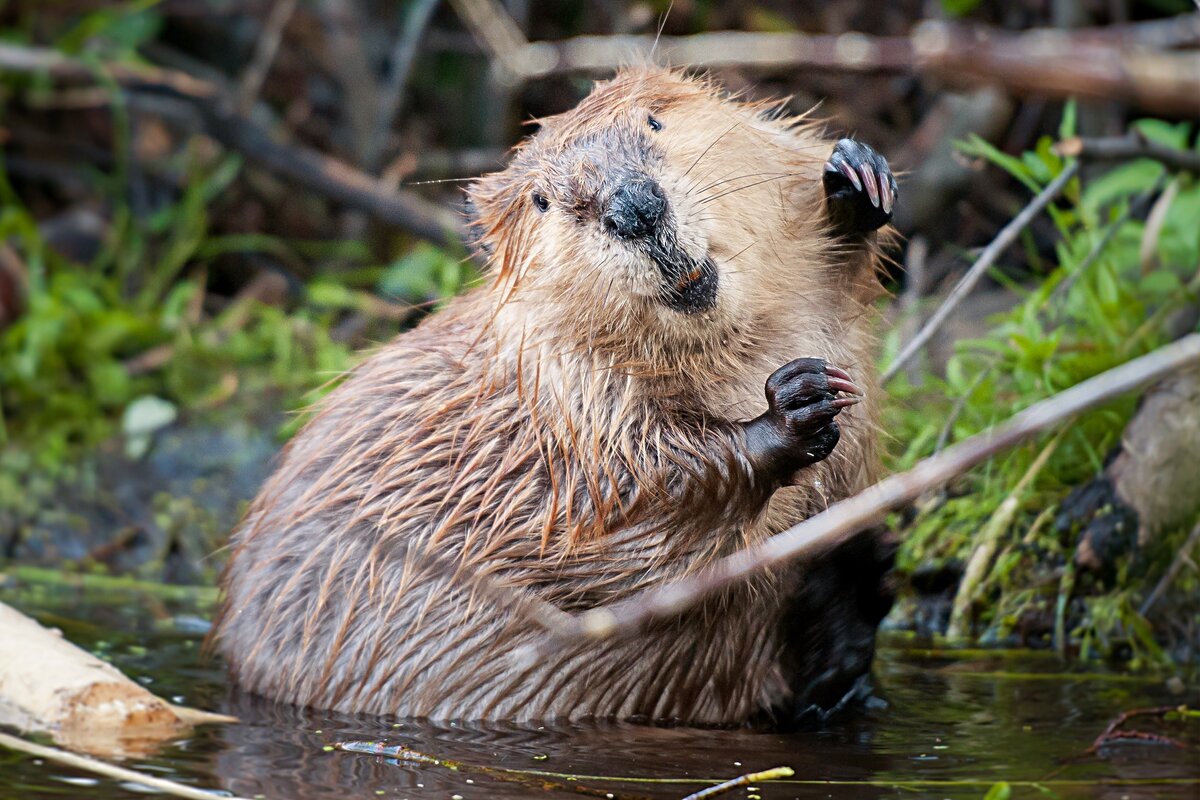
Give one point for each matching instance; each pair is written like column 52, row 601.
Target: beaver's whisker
column 740, row 177
column 735, row 190
column 730, row 130
column 739, row 252
column 701, row 189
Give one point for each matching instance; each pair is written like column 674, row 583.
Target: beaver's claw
column 798, row 428
column 859, row 187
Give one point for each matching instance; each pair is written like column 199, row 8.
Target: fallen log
column 48, row 685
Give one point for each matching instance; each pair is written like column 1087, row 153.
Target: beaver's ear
column 475, row 231
column 488, row 200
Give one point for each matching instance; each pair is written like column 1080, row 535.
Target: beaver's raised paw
column 859, row 187
column 798, row 429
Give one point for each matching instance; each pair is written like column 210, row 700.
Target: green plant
column 1099, row 306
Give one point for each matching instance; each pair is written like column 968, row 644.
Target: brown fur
column 560, row 430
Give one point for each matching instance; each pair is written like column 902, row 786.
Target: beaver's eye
column 541, row 202
column 655, row 125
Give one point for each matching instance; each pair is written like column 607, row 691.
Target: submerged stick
column 1008, row 234
column 110, row 770
column 847, row 517
column 742, row 780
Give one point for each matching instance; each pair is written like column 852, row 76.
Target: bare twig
column 209, row 111
column 109, row 770
column 264, row 54
column 772, row 774
column 1136, row 207
column 960, row 405
column 1181, row 558
column 1051, row 63
column 914, row 292
column 842, row 520
column 1113, row 732
column 391, row 94
column 1124, row 148
column 500, row 35
column 1007, row 236
column 345, row 25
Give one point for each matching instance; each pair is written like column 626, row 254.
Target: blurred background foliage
column 166, row 300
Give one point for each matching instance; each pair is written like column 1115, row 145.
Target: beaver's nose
column 635, row 209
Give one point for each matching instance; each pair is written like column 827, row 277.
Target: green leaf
column 999, row 791
column 1161, row 282
column 1119, row 183
column 1164, row 133
column 975, row 145
column 121, row 29
column 1068, row 126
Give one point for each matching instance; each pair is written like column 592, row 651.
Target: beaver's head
column 657, row 198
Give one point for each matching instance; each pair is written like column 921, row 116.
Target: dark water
column 953, row 724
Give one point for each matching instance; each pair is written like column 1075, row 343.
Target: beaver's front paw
column 859, row 188
column 798, row 428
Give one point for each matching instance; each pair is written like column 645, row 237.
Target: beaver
column 590, row 421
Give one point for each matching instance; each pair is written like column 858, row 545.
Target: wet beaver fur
column 592, row 421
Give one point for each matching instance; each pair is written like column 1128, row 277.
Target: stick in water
column 742, row 780
column 110, row 770
column 845, row 518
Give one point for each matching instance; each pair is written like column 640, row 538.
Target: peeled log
column 49, row 685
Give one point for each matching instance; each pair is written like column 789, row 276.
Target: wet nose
column 635, row 209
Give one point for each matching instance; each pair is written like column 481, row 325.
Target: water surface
column 948, row 725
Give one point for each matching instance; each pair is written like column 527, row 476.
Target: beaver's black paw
column 859, row 187
column 798, row 428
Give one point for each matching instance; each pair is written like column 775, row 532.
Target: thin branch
column 391, row 94
column 264, row 54
column 1124, row 148
column 1007, row 236
column 209, row 111
column 97, row 767
column 1181, row 558
column 844, row 519
column 1136, row 207
column 959, row 406
column 498, row 33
